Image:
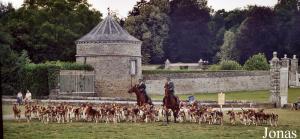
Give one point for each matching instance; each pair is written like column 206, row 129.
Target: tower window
column 133, row 67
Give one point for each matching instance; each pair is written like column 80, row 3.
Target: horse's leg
column 175, row 114
column 167, row 114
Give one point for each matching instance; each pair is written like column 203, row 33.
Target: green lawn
column 288, row 120
column 256, row 96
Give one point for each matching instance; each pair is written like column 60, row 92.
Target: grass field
column 288, row 120
column 256, row 96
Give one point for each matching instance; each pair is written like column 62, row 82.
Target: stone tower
column 115, row 56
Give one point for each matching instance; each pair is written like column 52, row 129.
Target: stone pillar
column 167, row 64
column 293, row 72
column 275, row 80
column 284, row 80
column 297, row 79
column 200, row 64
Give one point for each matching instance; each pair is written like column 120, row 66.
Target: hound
column 27, row 113
column 231, row 115
column 17, row 112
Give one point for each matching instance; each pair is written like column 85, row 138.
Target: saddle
column 148, row 99
column 169, row 97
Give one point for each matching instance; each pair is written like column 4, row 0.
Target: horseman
column 142, row 88
column 170, row 88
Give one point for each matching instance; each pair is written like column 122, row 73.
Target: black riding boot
column 164, row 99
column 148, row 99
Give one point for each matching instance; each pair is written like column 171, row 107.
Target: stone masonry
column 284, row 80
column 209, row 82
column 279, row 80
column 293, row 79
column 115, row 56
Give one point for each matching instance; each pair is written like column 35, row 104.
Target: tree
column 47, row 30
column 8, row 65
column 217, row 28
column 8, row 58
column 226, row 50
column 189, row 36
column 4, row 9
column 288, row 20
column 234, row 18
column 293, row 42
column 149, row 22
column 257, row 34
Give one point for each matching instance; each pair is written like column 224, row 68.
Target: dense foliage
column 47, row 29
column 230, row 65
column 189, row 37
column 149, row 22
column 257, row 62
column 40, row 31
column 36, row 79
column 179, row 30
column 196, row 31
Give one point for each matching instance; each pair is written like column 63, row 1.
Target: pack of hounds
column 116, row 113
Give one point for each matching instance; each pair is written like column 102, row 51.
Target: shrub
column 230, row 65
column 257, row 62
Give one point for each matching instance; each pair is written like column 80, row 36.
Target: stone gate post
column 293, row 72
column 284, row 80
column 275, row 80
column 167, row 64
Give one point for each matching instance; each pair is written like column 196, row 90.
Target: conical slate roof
column 107, row 31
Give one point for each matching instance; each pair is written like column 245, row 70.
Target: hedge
column 40, row 78
column 36, row 78
column 70, row 65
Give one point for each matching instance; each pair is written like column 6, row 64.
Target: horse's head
column 133, row 89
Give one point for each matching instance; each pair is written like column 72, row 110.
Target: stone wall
column 111, row 62
column 209, row 82
column 107, row 49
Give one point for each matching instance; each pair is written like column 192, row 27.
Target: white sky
column 123, row 6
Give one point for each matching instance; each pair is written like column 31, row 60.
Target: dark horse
column 170, row 102
column 141, row 98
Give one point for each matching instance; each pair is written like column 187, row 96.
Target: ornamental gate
column 77, row 82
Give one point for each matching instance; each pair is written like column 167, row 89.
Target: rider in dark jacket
column 142, row 88
column 171, row 89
